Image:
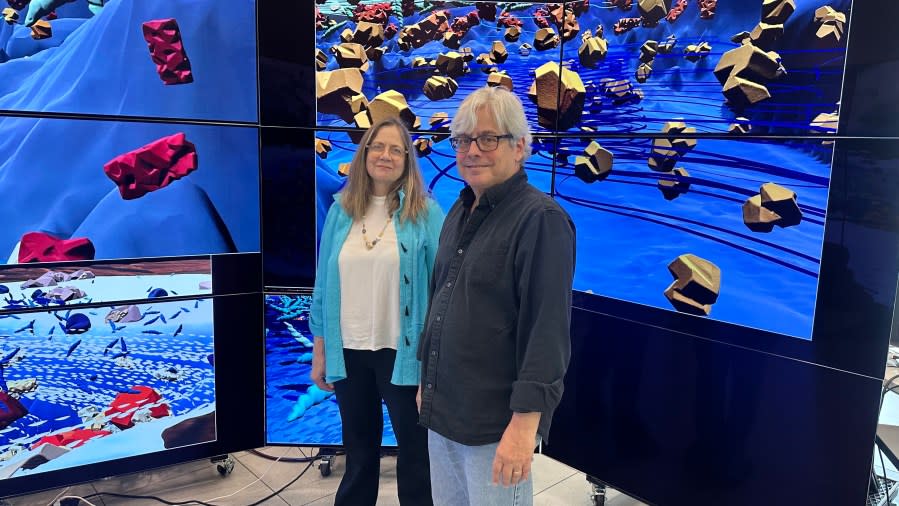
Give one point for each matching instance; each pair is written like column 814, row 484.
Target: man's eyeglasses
column 485, row 142
column 378, row 148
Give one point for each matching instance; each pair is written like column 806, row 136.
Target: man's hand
column 318, row 365
column 512, row 462
column 418, row 398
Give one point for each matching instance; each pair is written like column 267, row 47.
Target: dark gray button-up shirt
column 496, row 339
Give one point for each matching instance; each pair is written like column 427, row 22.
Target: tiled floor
column 254, row 478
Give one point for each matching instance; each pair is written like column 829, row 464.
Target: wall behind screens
column 733, row 385
column 130, row 253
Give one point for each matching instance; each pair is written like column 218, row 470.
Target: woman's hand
column 318, row 365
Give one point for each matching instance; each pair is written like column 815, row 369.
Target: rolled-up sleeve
column 544, row 266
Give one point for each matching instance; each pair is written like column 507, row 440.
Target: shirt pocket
column 488, row 267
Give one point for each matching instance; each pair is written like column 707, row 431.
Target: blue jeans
column 463, row 475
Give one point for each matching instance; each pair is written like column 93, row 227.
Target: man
column 496, row 341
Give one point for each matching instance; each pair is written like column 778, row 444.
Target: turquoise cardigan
column 417, row 245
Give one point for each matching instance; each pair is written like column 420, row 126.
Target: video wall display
column 68, row 285
column 297, row 412
column 89, row 385
column 613, row 67
column 721, row 228
column 177, row 59
column 94, row 190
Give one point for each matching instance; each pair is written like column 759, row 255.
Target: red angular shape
column 167, row 51
column 506, row 19
column 127, row 404
column 123, row 422
column 541, row 17
column 625, row 25
column 12, row 410
column 461, row 25
column 390, row 31
column 159, row 411
column 42, row 247
column 71, row 439
column 373, row 13
column 320, row 19
column 707, row 8
column 51, row 16
column 153, row 166
column 676, row 11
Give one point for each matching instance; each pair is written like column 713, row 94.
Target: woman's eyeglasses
column 394, row 151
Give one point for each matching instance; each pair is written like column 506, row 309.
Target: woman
column 371, row 293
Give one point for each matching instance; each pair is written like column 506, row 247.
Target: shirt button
column 460, row 251
column 438, row 318
column 433, row 353
column 430, row 386
column 449, row 284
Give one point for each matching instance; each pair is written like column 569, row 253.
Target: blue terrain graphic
column 677, row 87
column 294, row 414
column 627, row 233
column 52, row 181
column 100, row 64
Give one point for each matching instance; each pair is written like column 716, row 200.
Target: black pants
column 359, row 398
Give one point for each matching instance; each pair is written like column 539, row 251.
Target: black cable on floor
column 283, row 459
column 150, row 497
column 282, row 489
column 201, row 503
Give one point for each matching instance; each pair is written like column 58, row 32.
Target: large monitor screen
column 67, row 284
column 619, row 67
column 89, row 190
column 177, row 59
column 728, row 229
column 297, row 412
column 87, row 385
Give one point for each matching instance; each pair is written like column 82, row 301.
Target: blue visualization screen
column 109, row 189
column 88, row 385
column 702, row 236
column 191, row 59
column 618, row 66
column 297, row 412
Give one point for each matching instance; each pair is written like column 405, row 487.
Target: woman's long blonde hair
column 356, row 195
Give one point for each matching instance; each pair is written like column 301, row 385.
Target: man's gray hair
column 507, row 111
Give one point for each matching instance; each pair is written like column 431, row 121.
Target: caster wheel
column 225, row 466
column 324, row 468
column 598, row 495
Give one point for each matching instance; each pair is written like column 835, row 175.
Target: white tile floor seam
column 554, row 483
